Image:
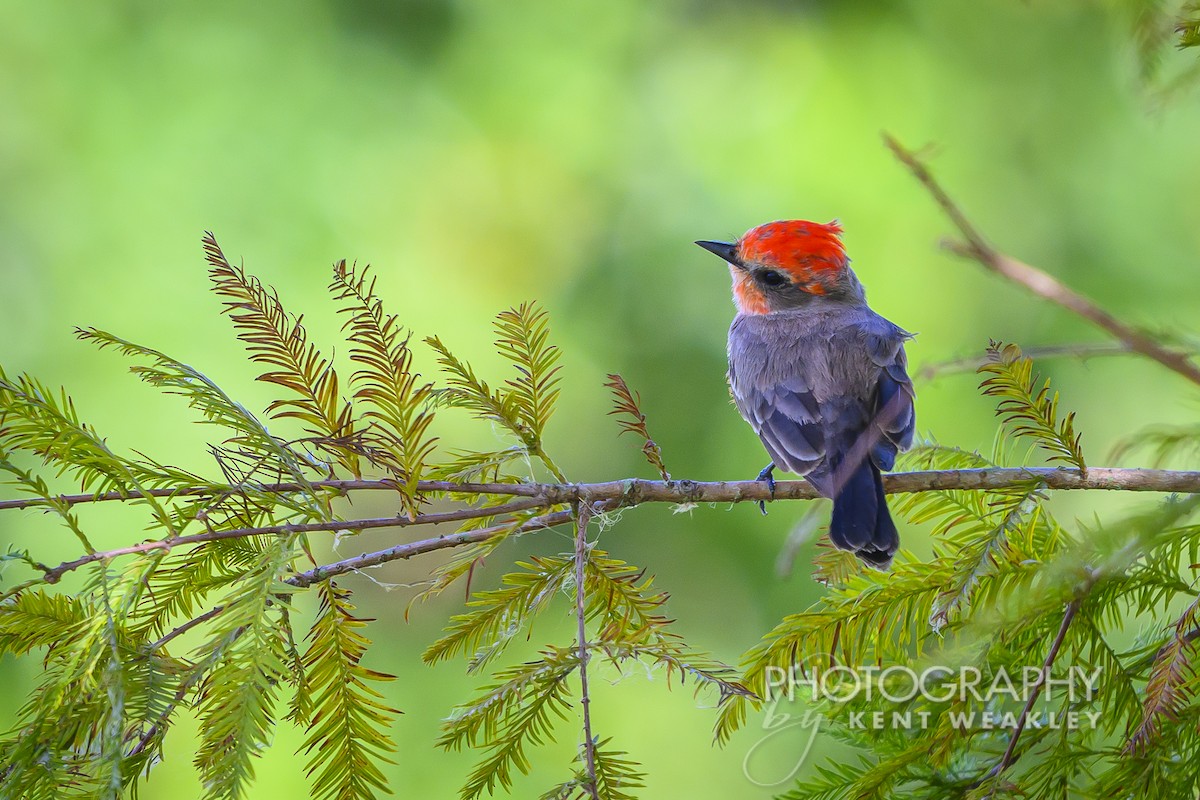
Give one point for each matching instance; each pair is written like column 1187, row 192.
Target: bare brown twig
column 1007, row 759
column 977, row 249
column 337, row 486
column 54, row 575
column 406, row 551
column 583, row 514
column 185, row 627
column 971, row 363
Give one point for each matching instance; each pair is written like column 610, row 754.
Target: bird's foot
column 766, row 475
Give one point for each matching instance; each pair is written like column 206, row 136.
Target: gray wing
column 786, row 417
column 774, row 393
column 894, row 419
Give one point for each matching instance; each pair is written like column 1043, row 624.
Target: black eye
column 772, row 278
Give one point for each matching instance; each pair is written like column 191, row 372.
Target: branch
column 632, row 492
column 1041, row 284
column 583, row 515
column 185, row 627
column 54, row 575
column 625, row 494
column 636, row 490
column 971, row 363
column 406, row 551
column 1007, row 759
column 338, row 486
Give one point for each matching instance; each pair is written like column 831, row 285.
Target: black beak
column 725, row 250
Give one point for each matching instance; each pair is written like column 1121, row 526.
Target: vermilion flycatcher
column 819, row 376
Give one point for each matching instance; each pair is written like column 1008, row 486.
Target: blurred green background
column 479, row 154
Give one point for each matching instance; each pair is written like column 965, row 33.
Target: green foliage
column 224, row 578
column 516, row 710
column 35, row 618
column 347, row 723
column 1026, row 409
column 1174, row 443
column 44, row 423
column 519, row 707
column 627, row 408
column 616, row 776
column 225, row 575
column 992, row 533
column 523, row 405
column 499, row 615
column 235, row 701
column 1188, row 26
column 276, row 338
column 99, row 688
column 1161, row 26
column 991, row 599
column 400, row 438
column 1172, row 680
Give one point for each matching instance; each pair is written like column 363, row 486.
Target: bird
column 821, row 378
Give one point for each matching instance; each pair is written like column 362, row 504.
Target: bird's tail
column 861, row 522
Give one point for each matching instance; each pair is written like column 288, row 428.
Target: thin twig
column 1036, row 691
column 54, row 575
column 185, row 627
column 976, row 248
column 971, row 363
column 232, row 490
column 406, row 551
column 583, row 514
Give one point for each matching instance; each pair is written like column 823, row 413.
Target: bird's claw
column 766, row 475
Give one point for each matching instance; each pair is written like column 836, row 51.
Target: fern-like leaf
column 622, row 598
column 616, row 776
column 1167, row 690
column 522, row 335
column 466, row 390
column 522, row 405
column 236, row 701
column 216, row 407
column 38, row 420
column 513, row 712
column 399, row 401
column 874, row 616
column 35, row 618
column 627, row 409
column 347, row 733
column 1028, row 410
column 465, row 560
column 499, row 615
column 276, row 338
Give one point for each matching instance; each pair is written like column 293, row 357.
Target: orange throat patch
column 746, row 296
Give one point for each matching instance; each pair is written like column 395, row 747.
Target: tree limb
column 977, row 249
column 632, row 492
column 636, row 490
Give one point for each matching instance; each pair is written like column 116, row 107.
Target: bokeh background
column 479, row 154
